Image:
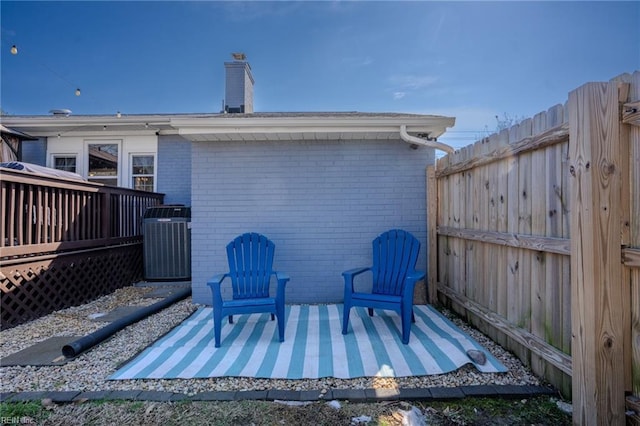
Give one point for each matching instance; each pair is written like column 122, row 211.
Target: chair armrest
column 280, row 276
column 215, row 283
column 216, row 280
column 349, row 275
column 416, row 275
column 282, row 282
column 410, row 282
column 355, row 271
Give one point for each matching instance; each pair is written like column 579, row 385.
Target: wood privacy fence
column 536, row 241
column 64, row 242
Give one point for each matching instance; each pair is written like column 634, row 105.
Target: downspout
column 425, row 142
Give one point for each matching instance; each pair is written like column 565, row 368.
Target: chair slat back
column 395, row 254
column 250, row 259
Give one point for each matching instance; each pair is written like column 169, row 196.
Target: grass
column 20, row 412
column 469, row 411
column 497, row 411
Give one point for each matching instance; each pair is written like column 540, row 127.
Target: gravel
column 90, row 370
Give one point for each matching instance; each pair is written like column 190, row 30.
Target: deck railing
column 46, row 214
column 64, row 242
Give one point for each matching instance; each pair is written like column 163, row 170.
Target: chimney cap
column 239, row 56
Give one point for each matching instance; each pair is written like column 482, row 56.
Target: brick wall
column 174, row 169
column 238, row 86
column 322, row 203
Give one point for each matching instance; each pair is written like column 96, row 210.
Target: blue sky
column 470, row 60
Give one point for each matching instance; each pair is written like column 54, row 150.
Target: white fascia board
column 52, row 125
column 46, row 120
column 433, row 125
column 39, row 126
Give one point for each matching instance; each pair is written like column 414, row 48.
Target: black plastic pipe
column 75, row 348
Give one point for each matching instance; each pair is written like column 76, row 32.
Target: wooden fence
column 536, row 241
column 63, row 242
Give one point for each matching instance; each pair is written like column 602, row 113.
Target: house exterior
column 322, row 186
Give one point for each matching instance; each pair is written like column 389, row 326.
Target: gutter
column 339, row 125
column 425, row 142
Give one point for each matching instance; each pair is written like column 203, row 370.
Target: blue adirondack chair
column 395, row 253
column 250, row 259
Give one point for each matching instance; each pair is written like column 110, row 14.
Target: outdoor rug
column 314, row 347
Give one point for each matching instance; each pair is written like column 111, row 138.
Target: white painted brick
column 322, row 203
column 174, row 169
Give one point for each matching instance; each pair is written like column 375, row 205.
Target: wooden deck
column 64, row 242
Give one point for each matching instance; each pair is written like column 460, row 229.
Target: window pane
column 103, row 160
column 142, row 165
column 143, row 183
column 68, row 164
column 142, row 172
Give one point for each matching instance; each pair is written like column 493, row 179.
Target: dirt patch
column 470, row 411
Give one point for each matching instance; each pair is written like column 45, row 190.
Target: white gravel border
column 90, row 370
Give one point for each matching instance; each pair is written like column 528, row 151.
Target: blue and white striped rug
column 314, row 347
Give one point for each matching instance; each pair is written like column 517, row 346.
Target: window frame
column 74, row 155
column 98, row 179
column 132, row 175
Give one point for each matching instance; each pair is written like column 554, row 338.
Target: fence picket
column 502, row 168
column 633, row 204
column 517, row 265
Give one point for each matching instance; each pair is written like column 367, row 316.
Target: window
column 142, row 171
column 66, row 163
column 103, row 163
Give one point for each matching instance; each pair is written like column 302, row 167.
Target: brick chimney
column 238, row 85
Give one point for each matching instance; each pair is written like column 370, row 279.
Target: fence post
column 105, row 214
column 432, row 235
column 596, row 270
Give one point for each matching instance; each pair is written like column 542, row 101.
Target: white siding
column 78, row 146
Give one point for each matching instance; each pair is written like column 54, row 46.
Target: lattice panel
column 36, row 288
